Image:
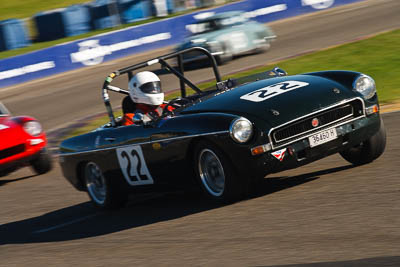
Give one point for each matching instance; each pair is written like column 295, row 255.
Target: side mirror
column 279, row 72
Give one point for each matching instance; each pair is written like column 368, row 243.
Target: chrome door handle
column 110, row 139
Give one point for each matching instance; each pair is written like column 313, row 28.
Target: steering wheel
column 175, row 103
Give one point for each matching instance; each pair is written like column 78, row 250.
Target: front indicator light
column 35, row 142
column 371, row 110
column 260, row 149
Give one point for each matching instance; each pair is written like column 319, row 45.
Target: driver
column 145, row 97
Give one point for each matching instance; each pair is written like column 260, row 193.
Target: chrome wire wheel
column 95, row 183
column 211, row 172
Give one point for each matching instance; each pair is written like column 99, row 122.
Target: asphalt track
column 328, row 213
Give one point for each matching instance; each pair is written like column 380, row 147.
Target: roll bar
column 162, row 61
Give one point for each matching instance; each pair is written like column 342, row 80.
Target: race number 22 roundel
column 273, row 90
column 134, row 166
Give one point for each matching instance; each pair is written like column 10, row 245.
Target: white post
column 161, row 7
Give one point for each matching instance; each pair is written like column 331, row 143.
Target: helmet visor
column 151, row 87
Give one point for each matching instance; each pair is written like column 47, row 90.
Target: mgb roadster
column 224, row 139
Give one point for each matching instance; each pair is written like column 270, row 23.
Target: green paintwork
column 290, row 105
column 224, row 106
column 168, row 144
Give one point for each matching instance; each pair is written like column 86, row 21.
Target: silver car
column 227, row 35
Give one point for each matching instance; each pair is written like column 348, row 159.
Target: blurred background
column 27, row 22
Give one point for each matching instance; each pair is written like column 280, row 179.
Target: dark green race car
column 225, row 139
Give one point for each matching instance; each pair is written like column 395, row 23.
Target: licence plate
column 322, row 137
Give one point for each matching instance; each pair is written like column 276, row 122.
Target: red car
column 22, row 142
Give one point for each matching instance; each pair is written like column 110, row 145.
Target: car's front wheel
column 42, row 163
column 103, row 192
column 226, row 56
column 215, row 173
column 369, row 150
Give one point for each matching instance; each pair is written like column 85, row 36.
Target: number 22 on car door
column 133, row 165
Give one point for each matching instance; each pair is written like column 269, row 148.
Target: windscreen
column 216, row 24
column 207, row 26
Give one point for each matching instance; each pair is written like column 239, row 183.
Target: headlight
column 33, row 128
column 241, row 130
column 365, row 85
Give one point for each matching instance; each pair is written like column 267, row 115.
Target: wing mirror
column 279, row 72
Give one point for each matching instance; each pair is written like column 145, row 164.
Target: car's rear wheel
column 42, row 163
column 215, row 173
column 103, row 192
column 369, row 150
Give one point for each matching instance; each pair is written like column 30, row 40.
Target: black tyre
column 215, row 174
column 105, row 193
column 368, row 150
column 42, row 163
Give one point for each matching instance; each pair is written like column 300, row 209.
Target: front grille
column 326, row 118
column 11, row 151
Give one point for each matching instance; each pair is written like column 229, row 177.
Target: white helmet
column 145, row 88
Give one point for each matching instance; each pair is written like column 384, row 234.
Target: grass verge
column 27, row 8
column 378, row 57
